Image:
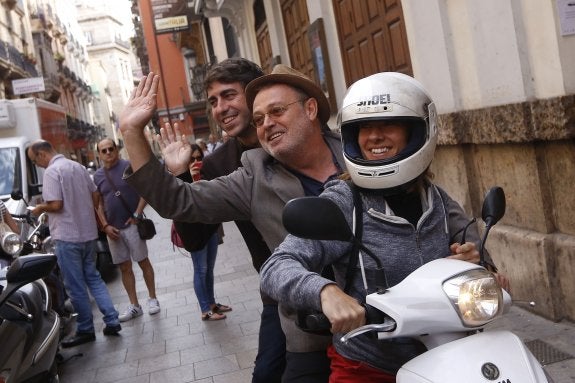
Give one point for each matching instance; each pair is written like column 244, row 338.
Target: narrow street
column 175, row 346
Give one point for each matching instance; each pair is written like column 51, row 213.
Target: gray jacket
column 257, row 192
column 292, row 274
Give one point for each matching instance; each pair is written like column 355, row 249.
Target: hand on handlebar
column 503, row 281
column 466, row 252
column 344, row 312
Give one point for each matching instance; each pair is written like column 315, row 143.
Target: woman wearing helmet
column 389, row 133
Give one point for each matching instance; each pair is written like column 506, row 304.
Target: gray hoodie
column 292, row 274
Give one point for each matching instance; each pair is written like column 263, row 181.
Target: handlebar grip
column 318, row 322
column 313, row 322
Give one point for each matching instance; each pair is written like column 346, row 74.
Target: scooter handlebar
column 318, row 323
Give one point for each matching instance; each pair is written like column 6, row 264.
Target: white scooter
column 445, row 304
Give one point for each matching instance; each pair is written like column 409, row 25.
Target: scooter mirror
column 316, row 218
column 42, row 218
column 493, row 206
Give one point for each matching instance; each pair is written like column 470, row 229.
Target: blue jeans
column 270, row 360
column 204, row 261
column 78, row 268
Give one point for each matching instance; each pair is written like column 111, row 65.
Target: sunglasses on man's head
column 111, row 149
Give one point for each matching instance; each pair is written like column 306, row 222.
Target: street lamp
column 197, row 73
column 197, row 82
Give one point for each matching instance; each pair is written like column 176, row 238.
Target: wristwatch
column 137, row 216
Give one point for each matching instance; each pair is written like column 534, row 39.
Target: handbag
column 195, row 235
column 146, row 227
column 175, row 237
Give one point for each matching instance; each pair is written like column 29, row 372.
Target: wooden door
column 263, row 36
column 372, row 37
column 296, row 24
column 264, row 47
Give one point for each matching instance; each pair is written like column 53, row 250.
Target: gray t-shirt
column 68, row 181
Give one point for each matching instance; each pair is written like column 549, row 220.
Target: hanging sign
column 28, row 85
column 170, row 15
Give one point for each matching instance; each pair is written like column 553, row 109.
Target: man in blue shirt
column 122, row 206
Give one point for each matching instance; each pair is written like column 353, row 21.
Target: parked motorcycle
column 38, row 237
column 34, row 231
column 445, row 304
column 29, row 328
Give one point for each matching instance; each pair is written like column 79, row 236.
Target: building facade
column 110, row 59
column 41, row 42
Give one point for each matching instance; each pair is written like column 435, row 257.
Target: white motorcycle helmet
column 396, row 97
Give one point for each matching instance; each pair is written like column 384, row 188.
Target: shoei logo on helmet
column 376, row 104
column 376, row 99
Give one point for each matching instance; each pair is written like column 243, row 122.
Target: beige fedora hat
column 283, row 74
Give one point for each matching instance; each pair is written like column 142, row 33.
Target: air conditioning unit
column 7, row 115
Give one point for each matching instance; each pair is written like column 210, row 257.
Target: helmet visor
column 417, row 136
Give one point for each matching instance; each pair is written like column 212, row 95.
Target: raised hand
column 141, row 105
column 176, row 149
column 136, row 114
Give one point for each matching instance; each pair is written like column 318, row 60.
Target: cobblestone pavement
column 175, row 346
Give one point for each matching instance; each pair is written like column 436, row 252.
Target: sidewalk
column 175, row 346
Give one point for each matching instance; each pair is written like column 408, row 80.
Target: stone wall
column 527, row 149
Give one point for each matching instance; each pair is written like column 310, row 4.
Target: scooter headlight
column 11, row 243
column 476, row 296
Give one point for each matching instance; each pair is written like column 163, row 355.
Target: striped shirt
column 68, row 181
column 3, row 211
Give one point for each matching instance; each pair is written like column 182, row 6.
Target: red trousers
column 345, row 370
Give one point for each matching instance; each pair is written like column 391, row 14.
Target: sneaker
column 153, row 306
column 131, row 312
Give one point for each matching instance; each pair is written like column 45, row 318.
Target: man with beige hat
column 298, row 155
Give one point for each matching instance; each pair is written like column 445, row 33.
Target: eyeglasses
column 111, row 149
column 274, row 112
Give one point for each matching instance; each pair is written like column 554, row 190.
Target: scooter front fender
column 495, row 356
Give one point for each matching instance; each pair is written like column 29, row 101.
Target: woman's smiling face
column 381, row 140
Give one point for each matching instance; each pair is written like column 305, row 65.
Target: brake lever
column 387, row 325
